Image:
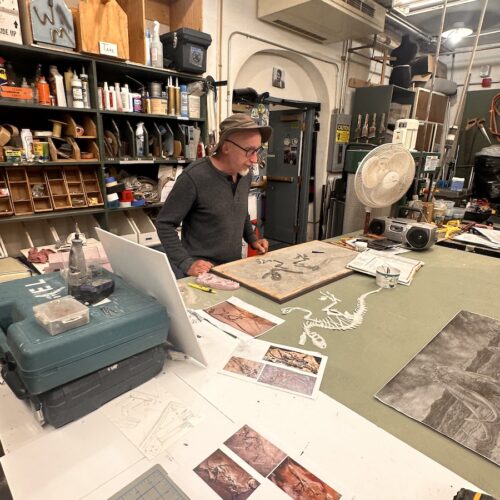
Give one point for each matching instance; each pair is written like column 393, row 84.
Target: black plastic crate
column 186, row 50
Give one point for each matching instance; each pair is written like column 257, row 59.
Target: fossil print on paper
column 299, row 483
column 288, row 380
column 293, row 359
column 255, row 450
column 240, row 319
column 242, row 366
column 289, row 272
column 453, row 384
column 226, row 477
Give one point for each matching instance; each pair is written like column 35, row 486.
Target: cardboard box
column 10, row 26
column 194, row 104
column 423, row 67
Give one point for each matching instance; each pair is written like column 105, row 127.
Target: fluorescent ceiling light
column 455, row 34
column 413, row 7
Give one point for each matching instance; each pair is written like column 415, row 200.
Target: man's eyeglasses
column 249, row 152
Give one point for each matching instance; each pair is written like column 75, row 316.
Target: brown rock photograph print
column 255, row 450
column 239, row 318
column 300, row 484
column 226, row 477
column 242, row 366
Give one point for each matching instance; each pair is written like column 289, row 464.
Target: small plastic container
column 60, row 315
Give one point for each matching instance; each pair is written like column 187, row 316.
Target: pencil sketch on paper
column 255, row 450
column 226, row 477
column 294, row 359
column 239, row 318
column 150, row 420
column 288, row 272
column 288, row 380
column 334, row 319
column 242, row 366
column 299, row 483
column 453, row 384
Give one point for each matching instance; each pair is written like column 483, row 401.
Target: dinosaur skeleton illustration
column 334, row 319
column 299, row 262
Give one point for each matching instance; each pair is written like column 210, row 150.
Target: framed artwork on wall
column 279, row 78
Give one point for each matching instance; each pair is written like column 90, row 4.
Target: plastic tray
column 60, row 315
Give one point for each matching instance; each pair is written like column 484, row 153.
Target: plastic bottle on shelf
column 85, row 88
column 118, row 98
column 105, row 92
column 68, row 82
column 38, row 74
column 3, row 73
column 24, row 85
column 147, row 42
column 184, row 101
column 27, row 141
column 124, row 95
column 57, row 86
column 156, row 47
column 139, row 139
column 416, row 204
column 77, row 272
column 77, row 92
column 177, row 98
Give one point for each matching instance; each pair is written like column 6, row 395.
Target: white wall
column 246, row 62
column 457, row 69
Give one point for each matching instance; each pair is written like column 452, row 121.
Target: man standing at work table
column 210, row 198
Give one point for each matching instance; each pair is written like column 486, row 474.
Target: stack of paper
column 485, row 237
column 367, row 263
column 11, row 269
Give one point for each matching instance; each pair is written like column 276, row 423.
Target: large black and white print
column 453, row 384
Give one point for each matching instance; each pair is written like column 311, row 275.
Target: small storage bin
column 39, row 233
column 187, row 49
column 60, row 315
column 120, row 224
column 146, row 230
column 13, row 238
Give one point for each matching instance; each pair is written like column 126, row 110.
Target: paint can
column 387, row 276
column 154, row 90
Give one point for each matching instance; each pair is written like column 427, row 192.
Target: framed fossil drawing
column 289, row 272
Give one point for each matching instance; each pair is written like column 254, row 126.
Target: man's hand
column 262, row 246
column 199, row 267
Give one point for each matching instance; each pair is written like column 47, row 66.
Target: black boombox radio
column 415, row 235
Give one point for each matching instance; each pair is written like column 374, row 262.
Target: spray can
column 177, row 98
column 43, row 91
column 139, row 139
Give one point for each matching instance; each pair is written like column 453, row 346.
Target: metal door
column 288, row 172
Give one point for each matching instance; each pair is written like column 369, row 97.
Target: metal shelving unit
column 98, row 69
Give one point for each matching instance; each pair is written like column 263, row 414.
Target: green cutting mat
column 154, row 484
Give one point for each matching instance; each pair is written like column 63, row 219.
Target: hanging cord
column 494, row 114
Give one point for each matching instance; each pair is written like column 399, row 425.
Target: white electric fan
column 383, row 177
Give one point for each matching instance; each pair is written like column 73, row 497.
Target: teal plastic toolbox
column 35, row 362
